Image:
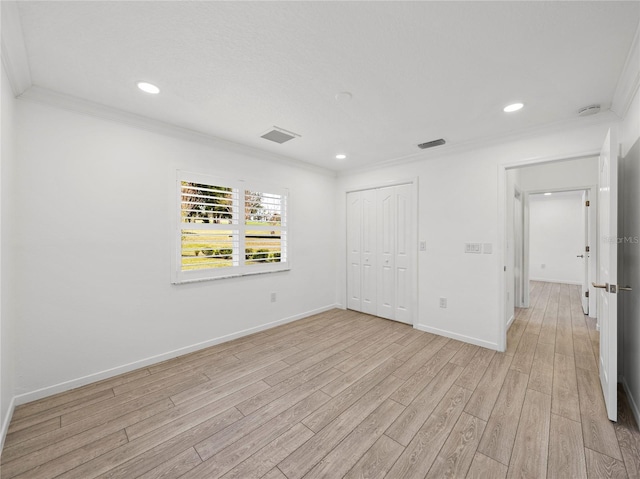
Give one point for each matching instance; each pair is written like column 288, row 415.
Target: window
column 228, row 228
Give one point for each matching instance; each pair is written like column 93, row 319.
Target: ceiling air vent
column 279, row 135
column 431, row 144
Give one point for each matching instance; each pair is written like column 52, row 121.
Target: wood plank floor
column 343, row 394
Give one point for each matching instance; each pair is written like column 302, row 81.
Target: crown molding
column 606, row 117
column 14, row 52
column 629, row 80
column 78, row 105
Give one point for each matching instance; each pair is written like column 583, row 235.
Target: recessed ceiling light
column 344, row 96
column 148, row 87
column 547, row 194
column 340, row 156
column 513, row 107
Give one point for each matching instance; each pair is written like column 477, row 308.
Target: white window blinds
column 228, row 229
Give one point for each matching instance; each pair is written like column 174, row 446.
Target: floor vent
column 431, row 144
column 279, row 135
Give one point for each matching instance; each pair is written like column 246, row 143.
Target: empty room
column 324, row 239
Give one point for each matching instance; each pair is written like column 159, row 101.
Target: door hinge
column 587, row 203
column 586, row 248
column 586, row 294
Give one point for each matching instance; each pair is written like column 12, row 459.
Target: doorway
column 558, row 239
column 554, row 181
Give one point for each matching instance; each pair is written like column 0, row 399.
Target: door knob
column 624, row 288
column 580, row 256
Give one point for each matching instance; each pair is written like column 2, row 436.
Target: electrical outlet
column 443, row 302
column 274, row 297
column 423, row 246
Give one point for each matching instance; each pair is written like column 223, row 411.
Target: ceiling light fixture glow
column 340, row 156
column 513, row 107
column 547, row 194
column 148, row 87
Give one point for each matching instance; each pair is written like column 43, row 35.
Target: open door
column 608, row 272
column 585, row 253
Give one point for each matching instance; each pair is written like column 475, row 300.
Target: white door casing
column 584, row 253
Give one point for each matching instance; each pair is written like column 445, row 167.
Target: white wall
column 630, row 251
column 556, row 237
column 93, row 240
column 7, row 314
column 458, row 203
column 560, row 174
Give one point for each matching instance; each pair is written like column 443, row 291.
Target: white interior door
column 354, row 251
column 386, row 250
column 369, row 244
column 607, row 272
column 585, row 254
column 518, row 259
column 403, row 253
column 380, row 244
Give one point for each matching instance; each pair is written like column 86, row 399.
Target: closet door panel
column 386, row 252
column 369, row 244
column 354, row 251
column 403, row 259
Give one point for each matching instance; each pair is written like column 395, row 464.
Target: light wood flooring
column 343, row 394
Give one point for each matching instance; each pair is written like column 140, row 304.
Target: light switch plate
column 474, row 248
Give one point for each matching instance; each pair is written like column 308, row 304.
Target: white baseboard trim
column 511, row 320
column 6, row 421
column 561, row 281
column 632, row 401
column 459, row 337
column 125, row 368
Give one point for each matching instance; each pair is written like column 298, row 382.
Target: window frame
column 179, row 276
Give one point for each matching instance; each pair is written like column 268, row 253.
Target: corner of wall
column 632, row 401
column 6, row 420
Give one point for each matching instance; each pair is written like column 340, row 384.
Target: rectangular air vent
column 431, row 144
column 279, row 135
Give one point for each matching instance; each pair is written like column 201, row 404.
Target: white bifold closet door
column 379, row 252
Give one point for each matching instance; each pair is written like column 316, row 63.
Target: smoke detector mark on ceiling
column 431, row 144
column 279, row 135
column 589, row 110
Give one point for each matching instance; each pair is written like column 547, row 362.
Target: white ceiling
column 418, row 71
